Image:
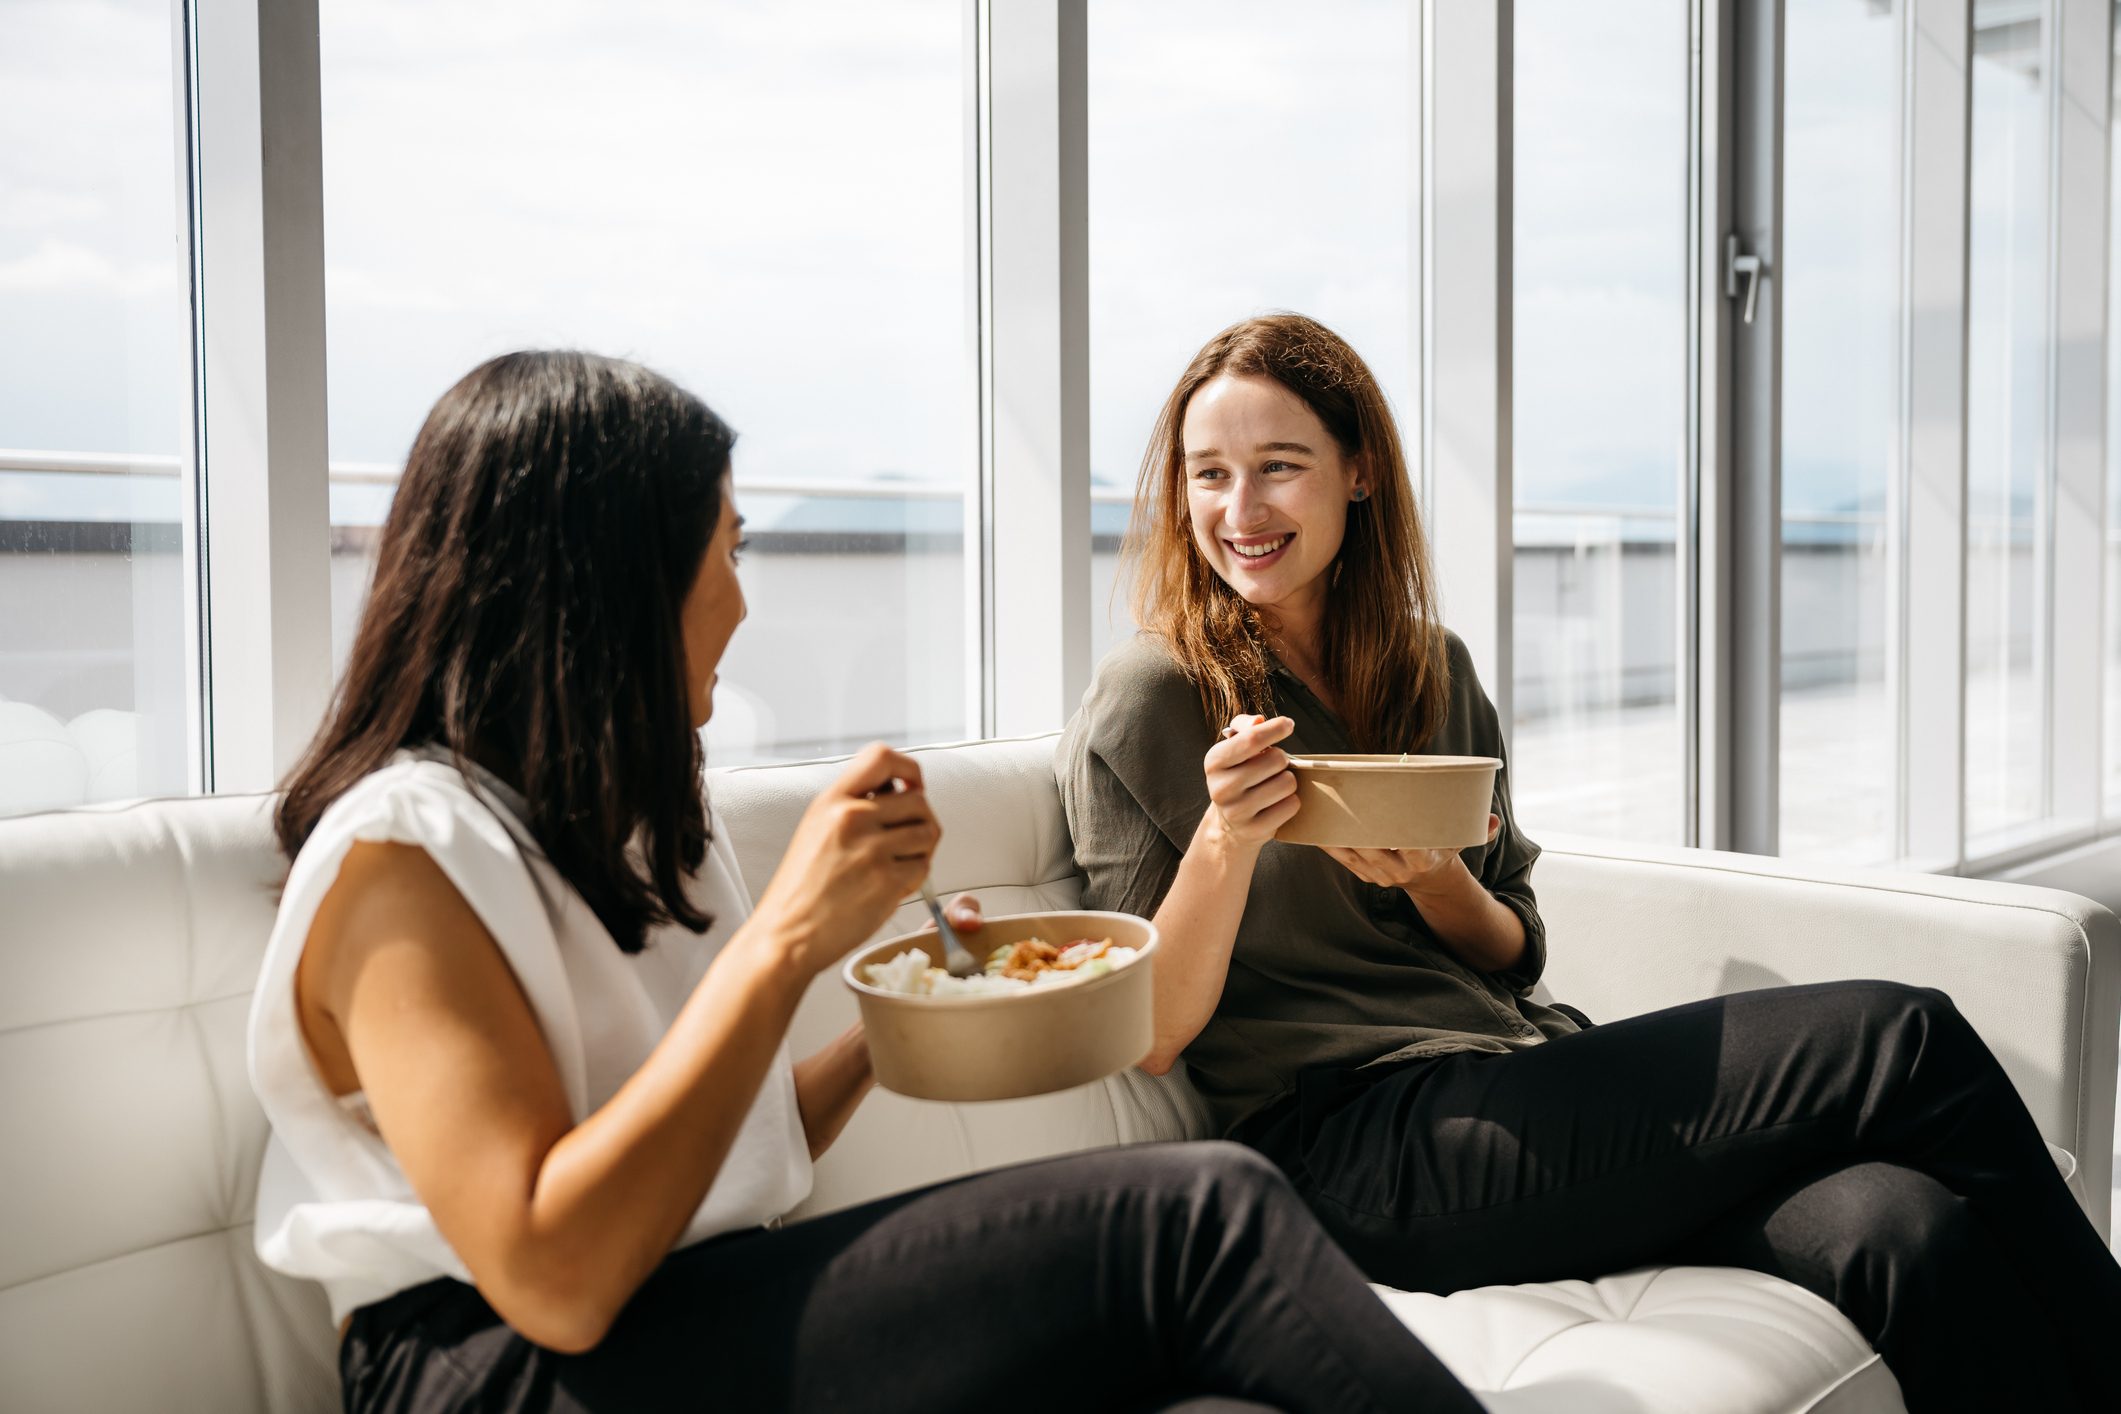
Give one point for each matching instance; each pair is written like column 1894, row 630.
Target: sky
column 768, row 203
column 92, row 319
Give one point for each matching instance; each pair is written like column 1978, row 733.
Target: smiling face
column 1267, row 489
column 713, row 608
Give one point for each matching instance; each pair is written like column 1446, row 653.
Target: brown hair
column 1384, row 646
column 526, row 615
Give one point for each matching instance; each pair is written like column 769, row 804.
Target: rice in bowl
column 1013, row 967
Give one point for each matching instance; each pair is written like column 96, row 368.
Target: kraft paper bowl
column 1391, row 802
column 1009, row 1045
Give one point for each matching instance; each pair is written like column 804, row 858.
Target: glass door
column 1600, row 390
column 1841, row 427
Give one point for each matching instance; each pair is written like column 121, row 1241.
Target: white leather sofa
column 129, row 1143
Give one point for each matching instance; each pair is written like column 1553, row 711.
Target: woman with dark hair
column 521, row 1032
column 1365, row 1019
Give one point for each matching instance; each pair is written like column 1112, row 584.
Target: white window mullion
column 199, row 716
column 260, row 335
column 2082, row 45
column 1036, row 363
column 978, row 506
column 1467, row 373
column 1932, row 522
column 1704, row 540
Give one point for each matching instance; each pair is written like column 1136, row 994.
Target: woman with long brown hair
column 521, row 1032
column 1365, row 1019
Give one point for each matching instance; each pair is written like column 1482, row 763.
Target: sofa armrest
column 2037, row 971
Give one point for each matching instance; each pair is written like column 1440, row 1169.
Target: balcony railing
column 1596, row 595
column 1589, row 523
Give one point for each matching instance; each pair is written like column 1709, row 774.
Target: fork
column 958, row 959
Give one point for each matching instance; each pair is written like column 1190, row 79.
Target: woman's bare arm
column 558, row 1222
column 1251, row 794
column 830, row 1086
column 1481, row 930
column 1196, row 929
column 1484, row 932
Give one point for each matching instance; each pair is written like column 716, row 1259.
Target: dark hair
column 525, row 615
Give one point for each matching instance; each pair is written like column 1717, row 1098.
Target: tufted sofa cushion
column 1704, row 1340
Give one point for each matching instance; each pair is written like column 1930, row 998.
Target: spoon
column 959, row 960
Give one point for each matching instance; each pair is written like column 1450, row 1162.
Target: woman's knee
column 1190, row 1162
column 1914, row 1212
column 1879, row 1217
column 1237, row 1163
column 1217, row 1170
column 1204, row 1186
column 1884, row 1004
column 1930, row 1003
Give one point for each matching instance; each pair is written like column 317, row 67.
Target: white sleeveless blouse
column 333, row 1205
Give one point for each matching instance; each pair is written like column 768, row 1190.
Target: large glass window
column 1600, row 414
column 1244, row 158
column 2008, row 468
column 2113, row 446
column 95, row 379
column 764, row 202
column 1840, row 425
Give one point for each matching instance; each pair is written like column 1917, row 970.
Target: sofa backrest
column 130, row 939
column 1637, row 928
column 2037, row 971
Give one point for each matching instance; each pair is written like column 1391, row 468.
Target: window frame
column 1467, row 241
column 2069, row 517
column 258, row 525
column 1031, row 165
column 2081, row 93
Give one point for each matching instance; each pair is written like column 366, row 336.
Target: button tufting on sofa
column 1688, row 1340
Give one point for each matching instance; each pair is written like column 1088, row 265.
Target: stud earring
column 1362, row 493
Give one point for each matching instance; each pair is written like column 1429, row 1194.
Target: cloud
column 36, row 208
column 57, row 265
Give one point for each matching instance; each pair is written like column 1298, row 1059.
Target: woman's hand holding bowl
column 1411, row 869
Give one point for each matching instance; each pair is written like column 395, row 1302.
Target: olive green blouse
column 1327, row 971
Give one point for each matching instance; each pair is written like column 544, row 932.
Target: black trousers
column 1157, row 1277
column 1856, row 1138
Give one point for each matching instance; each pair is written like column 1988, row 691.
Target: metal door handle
column 1751, row 267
